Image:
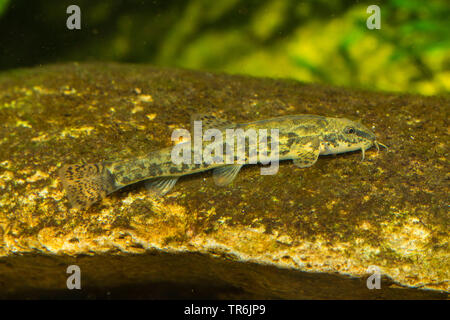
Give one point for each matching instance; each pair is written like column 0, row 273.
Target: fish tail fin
column 86, row 184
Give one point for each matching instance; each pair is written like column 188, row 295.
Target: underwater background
column 312, row 41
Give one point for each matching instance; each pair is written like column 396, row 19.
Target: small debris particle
column 145, row 98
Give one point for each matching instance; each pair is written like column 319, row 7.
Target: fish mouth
column 375, row 143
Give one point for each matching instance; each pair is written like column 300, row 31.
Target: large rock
column 302, row 233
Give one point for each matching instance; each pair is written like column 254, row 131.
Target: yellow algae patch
column 71, row 243
column 42, row 90
column 411, row 238
column 140, row 127
column 41, row 138
column 131, row 198
column 76, row 132
column 137, row 109
column 166, row 224
column 39, row 175
column 43, row 193
column 6, row 176
column 365, row 226
column 11, row 104
column 67, row 90
column 285, row 239
column 330, row 204
column 5, row 164
column 145, row 98
column 25, row 91
column 21, row 123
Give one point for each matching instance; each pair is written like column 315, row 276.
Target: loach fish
column 301, row 138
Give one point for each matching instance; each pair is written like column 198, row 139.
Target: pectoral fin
column 226, row 174
column 306, row 155
column 160, row 186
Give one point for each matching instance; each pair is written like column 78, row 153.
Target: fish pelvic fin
column 225, row 175
column 160, row 186
column 86, row 184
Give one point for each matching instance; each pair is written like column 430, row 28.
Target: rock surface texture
column 302, row 233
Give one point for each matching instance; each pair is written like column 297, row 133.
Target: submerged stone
column 302, row 233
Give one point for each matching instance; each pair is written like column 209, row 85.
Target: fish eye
column 349, row 130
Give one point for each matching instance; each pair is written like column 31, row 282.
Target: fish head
column 344, row 135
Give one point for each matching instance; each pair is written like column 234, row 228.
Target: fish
column 300, row 138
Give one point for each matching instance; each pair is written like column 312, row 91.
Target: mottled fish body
column 301, row 138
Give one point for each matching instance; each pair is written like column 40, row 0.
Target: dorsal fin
column 210, row 122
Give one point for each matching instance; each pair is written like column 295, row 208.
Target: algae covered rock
column 302, row 233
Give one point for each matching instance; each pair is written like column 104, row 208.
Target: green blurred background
column 311, row 41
